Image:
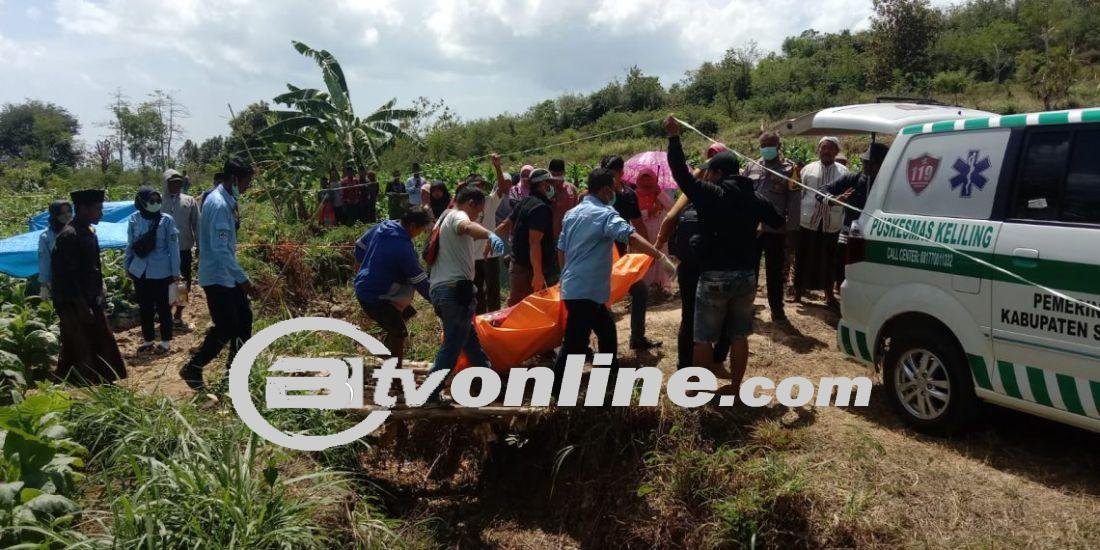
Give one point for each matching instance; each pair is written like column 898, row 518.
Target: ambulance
column 974, row 272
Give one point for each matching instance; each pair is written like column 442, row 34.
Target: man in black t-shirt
column 534, row 244
column 626, row 203
column 730, row 211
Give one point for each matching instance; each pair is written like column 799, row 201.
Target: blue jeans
column 458, row 331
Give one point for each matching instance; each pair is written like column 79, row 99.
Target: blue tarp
column 19, row 254
column 116, row 211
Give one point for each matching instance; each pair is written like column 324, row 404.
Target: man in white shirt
column 452, row 281
column 413, row 185
column 820, row 224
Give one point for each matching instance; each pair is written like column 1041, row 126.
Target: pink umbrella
column 657, row 161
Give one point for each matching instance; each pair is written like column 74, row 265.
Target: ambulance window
column 1081, row 201
column 1044, row 163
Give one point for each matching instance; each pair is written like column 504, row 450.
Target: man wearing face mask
column 184, row 209
column 534, row 260
column 587, row 234
column 730, row 211
column 771, row 175
column 226, row 285
column 565, row 193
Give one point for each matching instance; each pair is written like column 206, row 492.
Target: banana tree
column 319, row 130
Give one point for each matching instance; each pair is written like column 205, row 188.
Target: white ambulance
column 1020, row 193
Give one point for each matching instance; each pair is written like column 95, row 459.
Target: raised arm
column 677, row 162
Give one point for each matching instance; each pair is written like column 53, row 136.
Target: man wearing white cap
column 820, row 225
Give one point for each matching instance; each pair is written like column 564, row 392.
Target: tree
column 902, row 32
column 189, row 154
column 734, row 83
column 104, row 150
column 36, row 130
column 952, row 82
column 1048, row 75
column 641, row 92
column 144, row 131
column 320, row 129
column 171, row 113
column 210, row 150
column 119, row 104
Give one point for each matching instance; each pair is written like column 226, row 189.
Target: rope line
column 951, row 249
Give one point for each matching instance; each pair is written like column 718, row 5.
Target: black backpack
column 689, row 243
column 148, row 241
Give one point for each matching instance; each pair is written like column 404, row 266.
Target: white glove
column 668, row 265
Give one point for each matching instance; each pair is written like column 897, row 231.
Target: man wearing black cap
column 852, row 189
column 730, row 211
column 89, row 352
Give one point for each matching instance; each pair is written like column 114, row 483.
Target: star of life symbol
column 970, row 173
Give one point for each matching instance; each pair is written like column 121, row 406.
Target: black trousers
column 487, row 284
column 232, row 316
column 585, row 317
column 152, row 298
column 687, row 276
column 773, row 247
column 639, row 301
column 186, row 261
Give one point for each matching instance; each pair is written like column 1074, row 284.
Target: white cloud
column 85, row 17
column 16, row 54
column 481, row 56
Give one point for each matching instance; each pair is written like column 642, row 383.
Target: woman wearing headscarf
column 522, row 188
column 439, row 197
column 654, row 204
column 60, row 214
column 153, row 262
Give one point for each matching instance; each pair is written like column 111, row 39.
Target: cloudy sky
column 481, row 56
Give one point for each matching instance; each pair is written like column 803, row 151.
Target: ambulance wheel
column 927, row 381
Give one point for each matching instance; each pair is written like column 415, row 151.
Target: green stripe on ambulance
column 858, row 351
column 1072, row 394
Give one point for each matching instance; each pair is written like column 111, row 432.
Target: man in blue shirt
column 389, row 272
column 588, row 232
column 226, row 286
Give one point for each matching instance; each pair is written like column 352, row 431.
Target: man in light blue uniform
column 226, row 285
column 588, row 232
column 413, row 186
column 60, row 214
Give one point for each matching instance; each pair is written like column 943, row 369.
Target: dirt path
column 152, row 373
column 1019, row 481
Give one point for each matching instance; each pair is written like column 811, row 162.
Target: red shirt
column 565, row 198
column 350, row 194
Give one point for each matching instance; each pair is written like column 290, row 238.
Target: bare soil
column 1018, row 481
